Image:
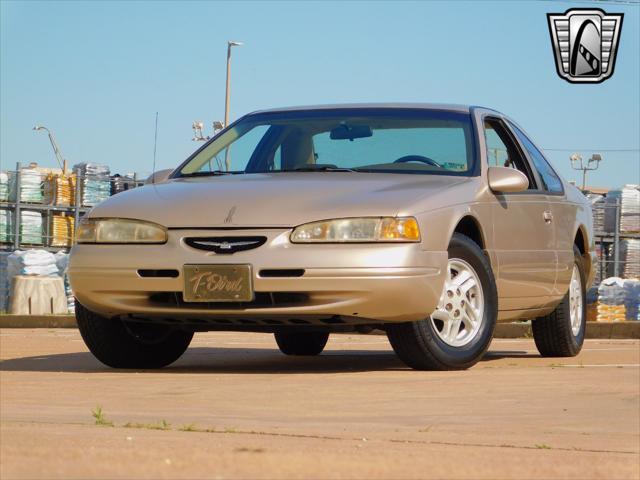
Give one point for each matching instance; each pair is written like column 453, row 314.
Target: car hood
column 272, row 200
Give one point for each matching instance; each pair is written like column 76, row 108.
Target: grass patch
column 543, row 446
column 248, row 450
column 161, row 425
column 189, row 428
column 99, row 417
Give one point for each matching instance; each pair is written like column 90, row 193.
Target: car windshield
column 414, row 141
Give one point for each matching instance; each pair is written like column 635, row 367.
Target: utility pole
column 592, row 164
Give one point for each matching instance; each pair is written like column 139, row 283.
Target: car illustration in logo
column 585, row 43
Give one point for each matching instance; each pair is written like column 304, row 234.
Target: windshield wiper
column 319, row 169
column 211, row 173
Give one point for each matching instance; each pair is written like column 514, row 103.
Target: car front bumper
column 346, row 283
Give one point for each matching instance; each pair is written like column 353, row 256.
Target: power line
column 592, row 149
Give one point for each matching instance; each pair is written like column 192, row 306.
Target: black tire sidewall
column 465, row 249
column 577, row 340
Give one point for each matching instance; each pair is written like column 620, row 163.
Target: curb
column 615, row 330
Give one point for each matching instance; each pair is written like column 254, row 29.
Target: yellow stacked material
column 61, row 230
column 611, row 313
column 60, row 189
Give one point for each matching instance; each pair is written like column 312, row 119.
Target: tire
column 554, row 333
column 130, row 345
column 301, row 343
column 420, row 344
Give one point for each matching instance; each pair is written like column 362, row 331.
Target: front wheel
column 121, row 344
column 459, row 331
column 301, row 343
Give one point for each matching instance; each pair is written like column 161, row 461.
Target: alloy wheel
column 460, row 312
column 575, row 301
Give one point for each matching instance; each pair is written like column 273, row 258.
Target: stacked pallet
column 96, row 183
column 59, row 189
column 61, row 229
column 121, row 183
column 6, row 226
column 630, row 209
column 611, row 306
column 4, row 281
column 4, row 186
column 31, row 227
column 598, row 207
column 30, row 185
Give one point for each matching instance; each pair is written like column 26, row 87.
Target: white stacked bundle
column 6, row 226
column 630, row 209
column 4, row 186
column 62, row 262
column 31, row 227
column 30, row 185
column 96, row 182
column 598, row 207
column 4, row 282
column 32, row 262
column 630, row 252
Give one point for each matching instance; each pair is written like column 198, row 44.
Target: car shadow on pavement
column 235, row 360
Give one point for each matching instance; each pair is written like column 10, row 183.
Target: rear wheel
column 301, row 343
column 121, row 344
column 459, row 331
column 561, row 333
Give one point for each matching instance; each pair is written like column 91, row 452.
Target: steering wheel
column 418, row 158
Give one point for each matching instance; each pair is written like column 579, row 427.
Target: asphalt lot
column 234, row 407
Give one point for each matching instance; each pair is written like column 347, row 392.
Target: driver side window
column 502, row 150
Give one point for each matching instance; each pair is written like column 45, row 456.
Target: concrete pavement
column 234, row 407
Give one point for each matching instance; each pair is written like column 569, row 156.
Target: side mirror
column 507, row 180
column 160, row 176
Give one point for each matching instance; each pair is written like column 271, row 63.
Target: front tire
column 129, row 345
column 459, row 332
column 561, row 333
column 301, row 343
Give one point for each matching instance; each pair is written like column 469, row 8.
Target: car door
column 564, row 213
column 523, row 231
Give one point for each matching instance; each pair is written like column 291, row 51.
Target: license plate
column 217, row 283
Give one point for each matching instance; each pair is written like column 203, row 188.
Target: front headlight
column 119, row 230
column 358, row 230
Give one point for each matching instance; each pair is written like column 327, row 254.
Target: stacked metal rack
column 615, row 258
column 15, row 206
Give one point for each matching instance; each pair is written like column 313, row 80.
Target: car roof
column 391, row 106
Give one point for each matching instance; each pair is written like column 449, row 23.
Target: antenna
column 155, row 148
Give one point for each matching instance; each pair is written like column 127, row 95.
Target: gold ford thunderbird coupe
column 429, row 222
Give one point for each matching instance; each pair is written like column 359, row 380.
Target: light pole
column 56, row 150
column 230, row 44
column 592, row 164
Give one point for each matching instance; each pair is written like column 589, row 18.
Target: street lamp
column 592, row 164
column 230, row 44
column 61, row 162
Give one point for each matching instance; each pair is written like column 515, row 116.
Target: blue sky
column 96, row 72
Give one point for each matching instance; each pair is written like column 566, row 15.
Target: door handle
column 548, row 216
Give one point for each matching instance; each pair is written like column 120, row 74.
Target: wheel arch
column 469, row 226
column 581, row 242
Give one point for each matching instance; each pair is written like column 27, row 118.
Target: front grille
column 261, row 300
column 225, row 245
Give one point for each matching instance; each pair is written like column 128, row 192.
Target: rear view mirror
column 507, row 180
column 350, row 132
